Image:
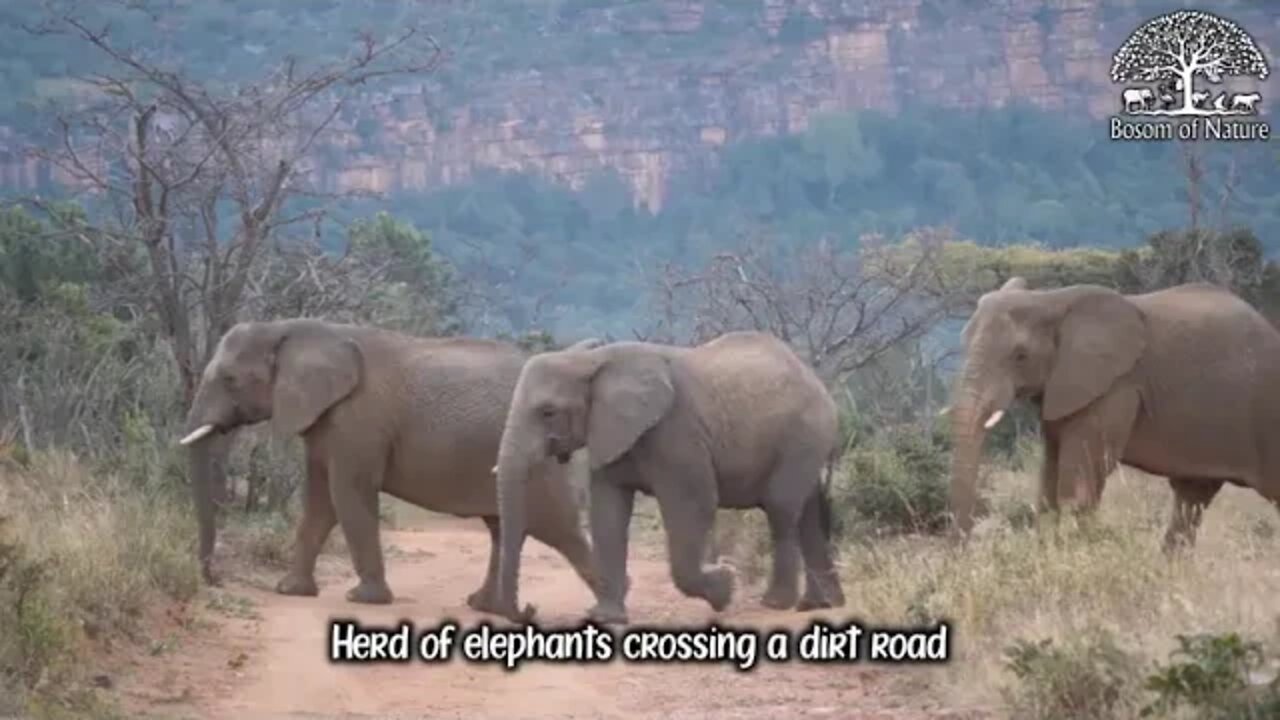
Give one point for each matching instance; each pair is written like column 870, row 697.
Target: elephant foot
column 779, row 599
column 600, row 588
column 370, row 593
column 297, row 585
column 483, row 600
column 1175, row 544
column 719, row 588
column 808, row 603
column 608, row 613
column 486, row 601
column 517, row 616
column 210, row 577
column 820, row 601
column 821, row 592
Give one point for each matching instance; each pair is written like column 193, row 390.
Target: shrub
column 1211, row 674
column 1088, row 678
column 896, row 482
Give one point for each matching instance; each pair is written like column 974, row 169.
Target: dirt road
column 271, row 662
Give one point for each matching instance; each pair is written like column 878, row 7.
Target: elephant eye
column 1020, row 355
column 546, row 411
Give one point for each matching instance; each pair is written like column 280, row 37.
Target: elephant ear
column 1100, row 339
column 315, row 368
column 630, row 393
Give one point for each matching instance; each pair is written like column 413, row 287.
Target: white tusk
column 494, row 469
column 944, row 411
column 995, row 418
column 196, row 434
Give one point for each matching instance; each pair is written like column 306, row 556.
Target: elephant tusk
column 995, row 418
column 494, row 470
column 944, row 411
column 197, row 434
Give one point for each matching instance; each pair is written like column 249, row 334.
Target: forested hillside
column 562, row 149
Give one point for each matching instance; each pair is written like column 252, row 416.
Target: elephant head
column 1062, row 349
column 289, row 372
column 602, row 399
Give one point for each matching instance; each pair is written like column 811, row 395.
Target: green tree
column 418, row 291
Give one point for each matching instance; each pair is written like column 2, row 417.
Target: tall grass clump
column 82, row 554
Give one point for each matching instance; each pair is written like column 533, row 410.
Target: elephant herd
column 1183, row 382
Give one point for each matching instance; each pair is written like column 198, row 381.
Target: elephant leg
column 1190, row 498
column 354, row 489
column 555, row 521
column 822, row 582
column 687, row 501
column 571, row 542
column 611, row 506
column 1090, row 448
column 784, row 530
column 793, row 486
column 484, row 599
column 318, row 519
column 1048, row 500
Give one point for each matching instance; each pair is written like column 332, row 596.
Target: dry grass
column 1064, row 580
column 81, row 557
column 1083, row 584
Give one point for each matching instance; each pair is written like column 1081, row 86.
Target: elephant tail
column 824, row 499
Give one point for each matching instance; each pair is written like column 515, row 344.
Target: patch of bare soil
column 264, row 655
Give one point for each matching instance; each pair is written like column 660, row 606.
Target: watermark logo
column 1170, row 66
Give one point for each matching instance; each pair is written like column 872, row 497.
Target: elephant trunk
column 200, row 464
column 206, row 448
column 979, row 404
column 517, row 455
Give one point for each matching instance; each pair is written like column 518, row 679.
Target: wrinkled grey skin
column 739, row 422
column 417, row 418
column 1182, row 382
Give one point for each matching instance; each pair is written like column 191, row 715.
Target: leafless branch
column 841, row 308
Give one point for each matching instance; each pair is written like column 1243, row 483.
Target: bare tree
column 1193, row 169
column 840, row 308
column 201, row 176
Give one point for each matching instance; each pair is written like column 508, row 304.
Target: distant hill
column 568, row 147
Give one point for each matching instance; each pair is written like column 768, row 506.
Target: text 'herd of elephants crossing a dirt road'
column 589, row 643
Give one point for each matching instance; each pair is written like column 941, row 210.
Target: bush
column 895, row 483
column 35, row 640
column 1212, row 675
column 1088, row 678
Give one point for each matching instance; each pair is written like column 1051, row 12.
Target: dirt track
column 272, row 663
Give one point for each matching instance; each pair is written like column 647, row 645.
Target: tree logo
column 1169, row 66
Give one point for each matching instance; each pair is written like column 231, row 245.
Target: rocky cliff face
column 646, row 115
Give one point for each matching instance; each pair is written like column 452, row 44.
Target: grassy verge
column 1087, row 587
column 1062, row 618
column 82, row 555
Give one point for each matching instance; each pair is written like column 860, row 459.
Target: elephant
column 1141, row 97
column 1182, row 383
column 737, row 422
column 378, row 411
